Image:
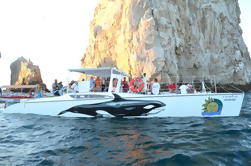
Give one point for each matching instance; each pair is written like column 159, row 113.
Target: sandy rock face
column 169, row 38
column 23, row 72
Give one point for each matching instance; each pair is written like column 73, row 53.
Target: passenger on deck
column 74, row 87
column 96, row 89
column 125, row 86
column 55, row 85
column 102, row 85
column 155, row 87
column 39, row 93
column 69, row 90
column 149, row 85
column 55, row 88
column 183, row 89
column 190, row 89
column 172, row 88
column 60, row 88
column 92, row 83
column 98, row 84
column 105, row 84
column 145, row 83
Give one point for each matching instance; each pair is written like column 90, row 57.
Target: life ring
column 136, row 88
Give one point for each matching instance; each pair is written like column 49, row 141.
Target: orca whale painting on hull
column 118, row 107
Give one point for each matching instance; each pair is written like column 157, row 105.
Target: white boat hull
column 176, row 105
column 192, row 105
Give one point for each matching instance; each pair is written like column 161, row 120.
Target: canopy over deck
column 100, row 72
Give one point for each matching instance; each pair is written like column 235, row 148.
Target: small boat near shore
column 16, row 93
column 113, row 103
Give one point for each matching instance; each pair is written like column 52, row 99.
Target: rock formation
column 167, row 38
column 23, row 72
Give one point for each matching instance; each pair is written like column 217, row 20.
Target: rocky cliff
column 167, row 38
column 23, row 72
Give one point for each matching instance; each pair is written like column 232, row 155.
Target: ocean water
column 34, row 140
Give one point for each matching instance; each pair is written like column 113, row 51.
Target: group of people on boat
column 141, row 85
column 57, row 88
column 93, row 85
column 133, row 85
column 152, row 86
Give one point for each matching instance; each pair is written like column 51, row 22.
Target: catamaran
column 114, row 103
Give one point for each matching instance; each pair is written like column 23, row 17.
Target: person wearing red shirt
column 125, row 86
column 172, row 87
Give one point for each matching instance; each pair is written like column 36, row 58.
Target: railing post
column 215, row 87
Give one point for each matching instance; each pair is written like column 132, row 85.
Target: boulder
column 24, row 72
column 172, row 40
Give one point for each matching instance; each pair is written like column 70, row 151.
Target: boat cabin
column 114, row 75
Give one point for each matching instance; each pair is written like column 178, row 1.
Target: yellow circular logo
column 212, row 107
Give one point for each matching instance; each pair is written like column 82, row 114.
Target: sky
column 53, row 34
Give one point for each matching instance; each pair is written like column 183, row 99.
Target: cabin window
column 116, row 72
column 90, row 96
